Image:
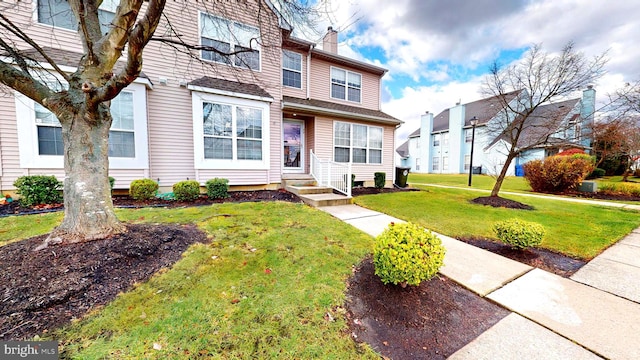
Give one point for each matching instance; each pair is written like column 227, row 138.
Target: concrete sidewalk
column 595, row 314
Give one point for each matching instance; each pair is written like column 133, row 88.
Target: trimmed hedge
column 217, row 188
column 39, row 189
column 518, row 233
column 143, row 189
column 407, row 254
column 379, row 179
column 187, row 190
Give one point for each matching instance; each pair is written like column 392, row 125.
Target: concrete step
column 319, row 200
column 298, row 180
column 308, row 190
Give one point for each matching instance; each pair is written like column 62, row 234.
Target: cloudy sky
column 438, row 51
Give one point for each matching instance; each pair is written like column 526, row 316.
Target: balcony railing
column 331, row 174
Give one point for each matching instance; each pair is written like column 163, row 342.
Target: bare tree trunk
column 89, row 213
column 503, row 174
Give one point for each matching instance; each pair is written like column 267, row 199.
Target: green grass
column 261, row 289
column 511, row 183
column 14, row 228
column 578, row 230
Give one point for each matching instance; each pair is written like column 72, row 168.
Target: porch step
column 308, row 190
column 298, row 180
column 318, row 200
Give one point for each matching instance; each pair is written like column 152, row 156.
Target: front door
column 293, row 145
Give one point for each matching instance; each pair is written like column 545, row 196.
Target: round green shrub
column 217, row 188
column 518, row 233
column 143, row 189
column 112, row 182
column 38, row 189
column 187, row 190
column 407, row 254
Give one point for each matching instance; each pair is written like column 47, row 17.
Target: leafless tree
column 538, row 79
column 82, row 105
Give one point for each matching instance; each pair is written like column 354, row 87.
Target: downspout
column 309, row 70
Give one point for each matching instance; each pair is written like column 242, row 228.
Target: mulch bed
column 46, row 289
column 496, row 201
column 430, row 321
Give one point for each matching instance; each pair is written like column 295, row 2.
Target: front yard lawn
column 485, row 182
column 573, row 229
column 271, row 284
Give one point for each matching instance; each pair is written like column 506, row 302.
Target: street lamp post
column 474, row 122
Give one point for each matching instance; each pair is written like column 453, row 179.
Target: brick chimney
column 330, row 41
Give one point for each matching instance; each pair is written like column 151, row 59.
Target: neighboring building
column 442, row 144
column 251, row 117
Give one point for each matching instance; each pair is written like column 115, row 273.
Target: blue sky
column 438, row 51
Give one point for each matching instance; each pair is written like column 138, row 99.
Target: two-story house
column 442, row 144
column 252, row 117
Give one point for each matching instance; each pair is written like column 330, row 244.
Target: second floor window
column 291, row 69
column 229, row 42
column 436, row 140
column 345, row 85
column 467, row 135
column 58, row 13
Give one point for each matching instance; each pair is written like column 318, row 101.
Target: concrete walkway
column 593, row 315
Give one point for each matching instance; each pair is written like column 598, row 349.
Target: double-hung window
column 435, row 163
column 58, row 13
column 291, row 69
column 467, row 162
column 436, row 140
column 467, row 135
column 40, row 139
column 229, row 42
column 357, row 143
column 345, row 85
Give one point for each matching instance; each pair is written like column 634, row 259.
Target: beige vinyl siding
column 324, row 147
column 321, row 85
column 169, row 112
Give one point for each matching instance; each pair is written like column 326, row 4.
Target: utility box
column 588, row 186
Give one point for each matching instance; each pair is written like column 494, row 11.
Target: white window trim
column 435, row 163
column 294, row 70
column 437, row 137
column 28, row 135
column 233, row 43
column 333, row 149
column 198, row 98
column 346, row 92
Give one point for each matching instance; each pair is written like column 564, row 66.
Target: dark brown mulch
column 357, row 191
column 125, row 201
column 602, row 196
column 497, row 201
column 46, row 289
column 541, row 258
column 430, row 321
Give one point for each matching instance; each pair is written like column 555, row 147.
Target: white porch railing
column 331, row 174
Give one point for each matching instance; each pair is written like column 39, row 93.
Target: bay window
column 230, row 133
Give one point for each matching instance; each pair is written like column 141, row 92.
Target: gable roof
column 321, row 107
column 483, row 109
column 403, row 150
column 539, row 123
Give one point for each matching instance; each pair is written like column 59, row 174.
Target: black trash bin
column 402, row 174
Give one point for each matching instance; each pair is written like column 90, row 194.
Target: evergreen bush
column 217, row 188
column 518, row 233
column 407, row 254
column 143, row 189
column 379, row 179
column 187, row 190
column 38, row 189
